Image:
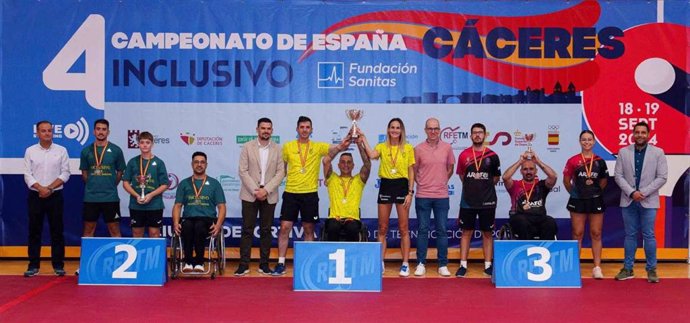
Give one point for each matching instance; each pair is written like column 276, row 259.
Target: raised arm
column 366, row 162
column 371, row 153
column 508, row 174
column 551, row 175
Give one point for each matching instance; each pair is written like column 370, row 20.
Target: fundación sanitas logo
column 331, row 75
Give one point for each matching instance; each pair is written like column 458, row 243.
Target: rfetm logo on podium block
column 123, row 261
column 337, row 266
column 532, row 264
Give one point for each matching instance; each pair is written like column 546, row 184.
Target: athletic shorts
column 109, row 210
column 468, row 217
column 393, row 191
column 587, row 206
column 304, row 204
column 146, row 218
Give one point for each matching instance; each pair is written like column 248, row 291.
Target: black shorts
column 587, row 206
column 146, row 218
column 393, row 191
column 468, row 217
column 305, row 204
column 109, row 210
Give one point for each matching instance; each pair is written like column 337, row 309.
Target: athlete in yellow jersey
column 397, row 186
column 345, row 192
column 302, row 163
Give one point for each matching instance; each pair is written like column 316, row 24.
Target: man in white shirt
column 46, row 169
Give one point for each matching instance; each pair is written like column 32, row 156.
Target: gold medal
column 344, row 201
column 303, row 159
column 197, row 193
column 478, row 163
column 99, row 159
column 302, row 170
column 393, row 171
column 97, row 171
column 346, row 187
column 526, row 206
column 394, row 159
column 528, row 195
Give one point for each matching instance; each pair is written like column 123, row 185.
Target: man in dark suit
column 261, row 171
column 640, row 172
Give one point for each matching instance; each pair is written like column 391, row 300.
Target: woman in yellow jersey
column 397, row 185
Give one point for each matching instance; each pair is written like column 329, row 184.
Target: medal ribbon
column 197, row 193
column 99, row 161
column 303, row 159
column 143, row 171
column 346, row 188
column 481, row 158
column 390, row 154
column 591, row 164
column 528, row 195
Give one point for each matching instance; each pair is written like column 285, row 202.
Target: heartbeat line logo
column 331, row 75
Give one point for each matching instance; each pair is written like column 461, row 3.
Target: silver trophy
column 142, row 184
column 529, row 137
column 354, row 115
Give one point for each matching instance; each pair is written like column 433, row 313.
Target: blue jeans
column 635, row 219
column 424, row 207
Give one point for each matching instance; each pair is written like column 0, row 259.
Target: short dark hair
column 641, row 124
column 346, row 154
column 102, row 121
column 262, row 120
column 145, row 135
column 199, row 153
column 587, row 131
column 303, row 119
column 38, row 124
column 478, row 125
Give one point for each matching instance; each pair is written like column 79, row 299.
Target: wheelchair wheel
column 175, row 259
column 220, row 254
column 505, row 233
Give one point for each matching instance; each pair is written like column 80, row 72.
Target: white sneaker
column 420, row 271
column 199, row 269
column 596, row 273
column 404, row 270
column 443, row 271
column 187, row 268
column 383, row 268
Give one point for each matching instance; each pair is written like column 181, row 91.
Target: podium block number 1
column 339, row 279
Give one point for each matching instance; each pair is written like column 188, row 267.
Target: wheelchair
column 215, row 257
column 506, row 233
column 363, row 233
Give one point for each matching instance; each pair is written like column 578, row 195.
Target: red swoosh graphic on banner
column 582, row 75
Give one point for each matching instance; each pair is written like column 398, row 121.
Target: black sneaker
column 242, row 270
column 265, row 270
column 462, row 271
column 489, row 271
column 59, row 272
column 31, row 272
column 625, row 274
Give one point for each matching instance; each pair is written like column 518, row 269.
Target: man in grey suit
column 640, row 172
column 261, row 171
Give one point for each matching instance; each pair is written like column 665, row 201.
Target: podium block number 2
column 542, row 262
column 121, row 272
column 339, row 279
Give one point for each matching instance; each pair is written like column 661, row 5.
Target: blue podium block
column 123, row 261
column 536, row 264
column 337, row 266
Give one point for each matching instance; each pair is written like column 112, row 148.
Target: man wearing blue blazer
column 640, row 172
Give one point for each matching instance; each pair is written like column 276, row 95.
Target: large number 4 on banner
column 90, row 40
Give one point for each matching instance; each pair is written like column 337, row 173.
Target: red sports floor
column 258, row 299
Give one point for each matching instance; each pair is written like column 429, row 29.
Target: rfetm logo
column 331, row 75
column 78, row 131
column 188, row 138
column 453, row 135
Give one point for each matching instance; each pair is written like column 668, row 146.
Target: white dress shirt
column 263, row 160
column 43, row 165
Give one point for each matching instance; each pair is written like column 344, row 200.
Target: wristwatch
column 410, row 192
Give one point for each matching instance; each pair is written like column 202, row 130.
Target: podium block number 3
column 542, row 262
column 121, row 272
column 339, row 279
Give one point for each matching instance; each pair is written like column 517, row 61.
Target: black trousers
column 533, row 227
column 52, row 206
column 266, row 214
column 195, row 231
column 350, row 229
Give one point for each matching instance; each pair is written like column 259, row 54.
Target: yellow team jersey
column 344, row 205
column 404, row 158
column 303, row 178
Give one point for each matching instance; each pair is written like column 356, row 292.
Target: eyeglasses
column 433, row 129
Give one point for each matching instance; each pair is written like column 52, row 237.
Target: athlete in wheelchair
column 528, row 218
column 345, row 193
column 200, row 225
